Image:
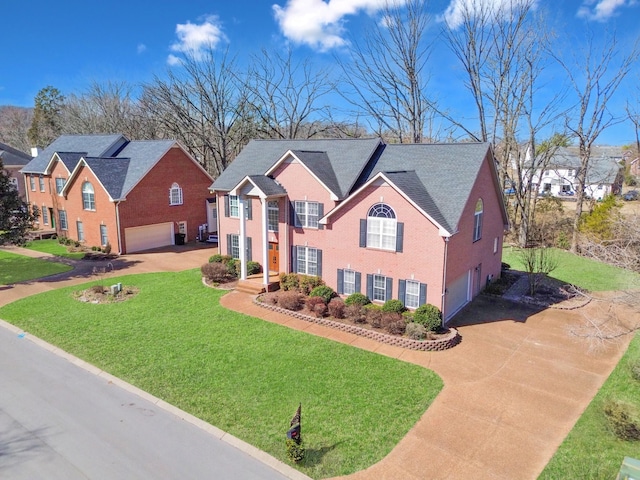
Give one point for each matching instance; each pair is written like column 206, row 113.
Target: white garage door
column 457, row 295
column 149, row 236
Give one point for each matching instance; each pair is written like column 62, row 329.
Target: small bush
column 393, row 323
column 429, row 316
column 295, row 451
column 289, row 281
column 336, row 308
column 355, row 313
column 374, row 317
column 317, row 306
column 215, row 272
column 290, row 300
column 622, row 420
column 218, row 258
column 308, row 283
column 357, row 299
column 233, row 265
column 253, row 268
column 416, row 331
column 323, row 291
column 408, row 316
column 107, row 248
column 394, row 306
column 97, row 288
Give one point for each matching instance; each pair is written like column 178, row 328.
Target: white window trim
column 235, row 246
column 309, row 263
column 104, row 238
column 477, row 220
column 351, row 282
column 416, row 286
column 62, row 214
column 88, row 198
column 273, row 210
column 32, row 183
column 375, row 288
column 305, row 218
column 60, row 182
column 45, row 215
column 41, row 183
column 175, row 195
column 382, row 227
column 234, row 206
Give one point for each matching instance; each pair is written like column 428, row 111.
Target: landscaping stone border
column 440, row 344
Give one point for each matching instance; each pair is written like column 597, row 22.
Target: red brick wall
column 49, row 198
column 148, row 202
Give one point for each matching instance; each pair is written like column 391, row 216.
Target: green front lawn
column 53, row 247
column 582, row 272
column 241, row 374
column 18, row 268
column 591, row 450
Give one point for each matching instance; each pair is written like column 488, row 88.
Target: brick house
column 422, row 223
column 134, row 195
column 12, row 161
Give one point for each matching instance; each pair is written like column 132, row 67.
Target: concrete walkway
column 514, row 387
column 513, row 390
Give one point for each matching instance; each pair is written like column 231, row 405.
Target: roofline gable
column 247, row 179
column 54, row 158
column 74, row 174
column 443, row 232
column 289, row 153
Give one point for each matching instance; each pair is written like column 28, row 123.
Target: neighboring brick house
column 134, row 195
column 423, row 223
column 12, row 161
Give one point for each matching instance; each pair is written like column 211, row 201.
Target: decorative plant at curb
column 295, row 447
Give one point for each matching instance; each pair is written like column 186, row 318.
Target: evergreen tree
column 45, row 126
column 16, row 217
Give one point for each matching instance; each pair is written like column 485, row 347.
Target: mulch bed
column 99, row 294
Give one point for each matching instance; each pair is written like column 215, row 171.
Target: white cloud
column 195, row 38
column 141, row 48
column 455, row 13
column 320, row 23
column 602, row 10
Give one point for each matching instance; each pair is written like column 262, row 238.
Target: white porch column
column 265, row 242
column 242, row 241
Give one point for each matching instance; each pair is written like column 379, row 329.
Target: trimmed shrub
column 295, row 451
column 218, row 258
column 308, row 283
column 393, row 323
column 323, row 291
column 415, row 331
column 290, row 300
column 357, row 299
column 253, row 267
column 374, row 317
column 408, row 316
column 429, row 316
column 622, row 419
column 233, row 265
column 394, row 306
column 317, row 306
column 336, row 307
column 289, row 281
column 215, row 272
column 355, row 313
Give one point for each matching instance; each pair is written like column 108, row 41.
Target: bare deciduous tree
column 285, row 96
column 202, row 105
column 385, row 75
column 594, row 77
column 14, row 125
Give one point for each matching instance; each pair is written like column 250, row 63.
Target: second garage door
column 457, row 295
column 149, row 236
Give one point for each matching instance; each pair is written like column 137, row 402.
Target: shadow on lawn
column 89, row 269
column 490, row 308
column 313, row 456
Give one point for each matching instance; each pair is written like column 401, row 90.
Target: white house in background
column 604, row 176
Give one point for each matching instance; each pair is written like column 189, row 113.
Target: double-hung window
column 32, row 183
column 104, row 239
column 477, row 221
column 235, row 245
column 234, row 206
column 307, row 214
column 45, row 215
column 41, row 181
column 273, row 215
column 59, row 185
column 381, row 227
column 175, row 195
column 63, row 219
column 349, row 282
column 379, row 288
column 412, row 294
column 80, row 228
column 88, row 197
column 307, row 259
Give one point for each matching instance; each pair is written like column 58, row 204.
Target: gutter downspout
column 118, row 228
column 444, row 279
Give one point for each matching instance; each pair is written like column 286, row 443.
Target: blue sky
column 73, row 43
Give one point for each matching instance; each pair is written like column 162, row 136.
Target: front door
column 274, row 257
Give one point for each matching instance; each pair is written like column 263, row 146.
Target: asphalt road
column 61, row 421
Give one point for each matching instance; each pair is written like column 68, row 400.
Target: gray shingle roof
column 144, row 154
column 268, row 185
column 110, row 172
column 320, row 165
column 70, row 159
column 348, row 158
column 437, row 177
column 12, row 157
column 91, row 145
column 603, row 163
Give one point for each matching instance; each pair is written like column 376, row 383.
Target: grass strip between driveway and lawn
column 52, row 246
column 16, row 268
column 591, row 450
column 580, row 271
column 241, row 374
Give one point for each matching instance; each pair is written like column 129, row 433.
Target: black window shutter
column 340, row 287
column 358, row 282
column 399, row 236
column 248, row 249
column 423, row 294
column 319, row 262
column 294, row 259
column 370, row 286
column 249, row 209
column 388, row 291
column 229, row 244
column 320, row 214
column 226, row 205
column 363, row 232
column 294, row 217
column 402, row 287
